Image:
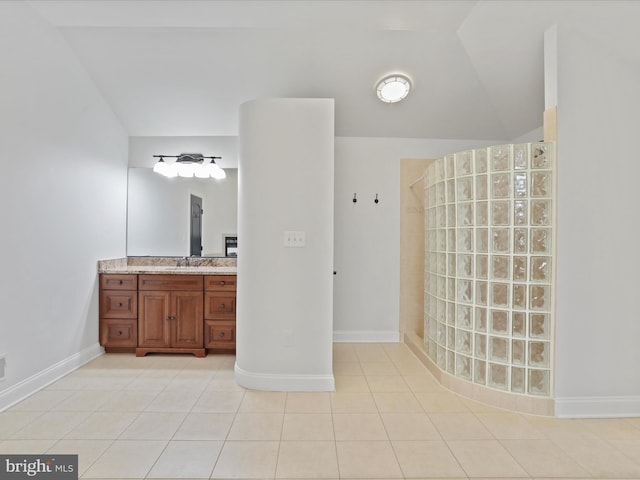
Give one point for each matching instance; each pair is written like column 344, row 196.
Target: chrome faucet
column 183, row 262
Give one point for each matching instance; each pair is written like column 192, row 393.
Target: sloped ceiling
column 182, row 68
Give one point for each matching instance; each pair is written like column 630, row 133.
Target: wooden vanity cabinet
column 118, row 300
column 170, row 316
column 220, row 312
column 168, row 313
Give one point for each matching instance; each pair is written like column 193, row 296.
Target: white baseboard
column 284, row 382
column 366, row 336
column 597, row 407
column 34, row 383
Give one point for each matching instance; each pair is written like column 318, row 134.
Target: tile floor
column 166, row 416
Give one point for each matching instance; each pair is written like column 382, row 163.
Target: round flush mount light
column 393, row 88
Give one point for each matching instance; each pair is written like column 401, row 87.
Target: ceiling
column 182, row 68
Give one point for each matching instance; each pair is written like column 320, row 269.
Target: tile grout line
column 333, row 424
column 335, row 439
column 113, row 441
column 226, row 438
column 439, row 434
column 395, row 455
column 284, row 410
column 177, row 428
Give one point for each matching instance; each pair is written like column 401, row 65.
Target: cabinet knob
column 222, row 306
column 119, row 332
column 119, row 304
column 222, row 334
column 120, row 282
column 222, row 283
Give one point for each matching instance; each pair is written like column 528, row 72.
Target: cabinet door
column 154, row 320
column 187, row 324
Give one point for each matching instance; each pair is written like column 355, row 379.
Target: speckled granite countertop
column 169, row 265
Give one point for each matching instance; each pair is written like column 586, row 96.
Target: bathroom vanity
column 168, row 308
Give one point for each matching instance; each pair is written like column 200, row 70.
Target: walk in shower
column 488, row 296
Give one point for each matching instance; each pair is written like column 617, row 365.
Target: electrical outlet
column 294, row 239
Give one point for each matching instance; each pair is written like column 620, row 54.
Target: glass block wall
column 488, row 266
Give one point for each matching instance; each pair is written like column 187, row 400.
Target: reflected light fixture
column 189, row 165
column 393, row 88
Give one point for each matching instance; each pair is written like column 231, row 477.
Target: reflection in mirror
column 158, row 213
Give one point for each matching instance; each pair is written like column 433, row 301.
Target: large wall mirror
column 159, row 210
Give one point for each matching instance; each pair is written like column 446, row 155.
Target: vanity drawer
column 219, row 334
column 119, row 333
column 219, row 304
column 118, row 304
column 110, row 281
column 220, row 282
column 170, row 282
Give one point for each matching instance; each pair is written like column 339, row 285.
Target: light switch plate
column 294, row 239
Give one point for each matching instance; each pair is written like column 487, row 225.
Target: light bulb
column 201, row 171
column 185, row 169
column 161, row 167
column 172, row 170
column 215, row 171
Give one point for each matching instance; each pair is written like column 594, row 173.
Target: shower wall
column 488, row 296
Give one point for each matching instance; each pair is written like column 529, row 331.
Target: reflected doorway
column 196, row 227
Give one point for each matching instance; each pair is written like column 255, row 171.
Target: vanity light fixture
column 189, row 165
column 393, row 88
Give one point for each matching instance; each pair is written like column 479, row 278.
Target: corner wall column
column 285, row 293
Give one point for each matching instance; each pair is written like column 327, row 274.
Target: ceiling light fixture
column 393, row 88
column 189, row 165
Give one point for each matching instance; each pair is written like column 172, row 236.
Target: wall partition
column 489, row 267
column 285, row 292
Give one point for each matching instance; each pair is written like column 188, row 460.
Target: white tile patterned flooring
column 174, row 416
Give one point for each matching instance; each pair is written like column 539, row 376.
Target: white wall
column 284, row 306
column 535, row 135
column 598, row 260
column 367, row 236
column 63, row 197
